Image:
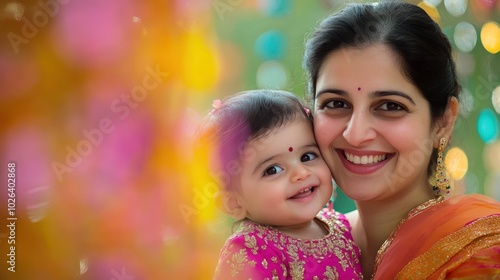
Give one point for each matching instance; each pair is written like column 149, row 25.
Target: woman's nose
column 300, row 172
column 359, row 128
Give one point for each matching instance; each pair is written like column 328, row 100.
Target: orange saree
column 458, row 238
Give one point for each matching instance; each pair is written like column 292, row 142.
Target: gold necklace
column 413, row 212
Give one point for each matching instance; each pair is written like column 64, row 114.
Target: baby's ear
column 228, row 202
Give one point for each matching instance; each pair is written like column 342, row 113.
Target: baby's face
column 284, row 180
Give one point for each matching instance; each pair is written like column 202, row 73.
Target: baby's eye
column 308, row 157
column 272, row 170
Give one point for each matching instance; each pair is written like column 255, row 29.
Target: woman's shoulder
column 471, row 205
column 473, row 198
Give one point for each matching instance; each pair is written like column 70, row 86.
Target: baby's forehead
column 275, row 137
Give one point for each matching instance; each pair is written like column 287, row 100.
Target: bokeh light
column 495, row 99
column 487, row 125
column 490, row 37
column 200, row 70
column 431, row 10
column 434, row 3
column 271, row 45
column 456, row 7
column 272, row 74
column 466, row 103
column 456, row 163
column 14, row 9
column 465, row 36
column 275, row 8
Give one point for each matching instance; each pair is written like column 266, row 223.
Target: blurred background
column 99, row 101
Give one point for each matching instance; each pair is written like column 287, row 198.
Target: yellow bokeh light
column 200, row 67
column 490, row 37
column 431, row 11
column 456, row 163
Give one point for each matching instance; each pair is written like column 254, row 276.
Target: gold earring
column 442, row 182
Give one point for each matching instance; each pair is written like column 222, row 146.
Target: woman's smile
column 363, row 164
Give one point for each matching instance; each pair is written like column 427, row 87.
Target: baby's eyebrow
column 264, row 161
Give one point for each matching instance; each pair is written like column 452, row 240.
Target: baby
column 276, row 185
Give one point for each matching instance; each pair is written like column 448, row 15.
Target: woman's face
column 372, row 125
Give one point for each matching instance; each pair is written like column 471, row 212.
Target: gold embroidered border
column 487, row 229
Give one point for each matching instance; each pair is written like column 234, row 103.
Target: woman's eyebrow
column 383, row 93
column 331, row 90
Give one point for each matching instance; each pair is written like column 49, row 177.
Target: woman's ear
column 447, row 121
column 229, row 203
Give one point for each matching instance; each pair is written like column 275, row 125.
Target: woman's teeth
column 364, row 159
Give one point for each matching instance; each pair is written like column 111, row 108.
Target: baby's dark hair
column 240, row 118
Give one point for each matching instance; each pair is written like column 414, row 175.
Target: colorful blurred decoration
column 271, row 45
column 200, row 72
column 272, row 74
column 100, row 102
column 466, row 103
column 490, row 37
column 495, row 99
column 94, row 33
column 487, row 125
column 430, row 8
column 275, row 8
column 465, row 36
column 456, row 7
column 97, row 120
column 456, row 163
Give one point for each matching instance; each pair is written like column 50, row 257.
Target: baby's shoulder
column 249, row 232
column 335, row 219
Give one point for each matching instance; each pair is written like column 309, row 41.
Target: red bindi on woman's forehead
column 290, row 149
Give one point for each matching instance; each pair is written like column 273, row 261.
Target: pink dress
column 261, row 252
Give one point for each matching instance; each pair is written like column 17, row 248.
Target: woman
column 385, row 94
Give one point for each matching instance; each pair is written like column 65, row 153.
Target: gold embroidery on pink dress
column 238, row 262
column 334, row 243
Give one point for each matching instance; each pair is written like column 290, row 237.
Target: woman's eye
column 335, row 104
column 391, row 106
column 272, row 170
column 308, row 157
